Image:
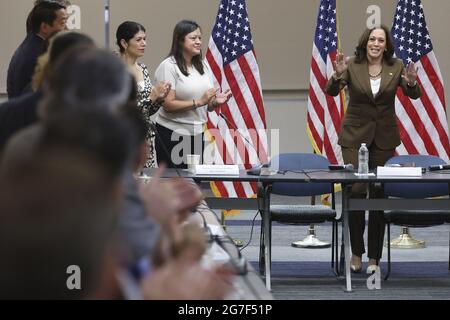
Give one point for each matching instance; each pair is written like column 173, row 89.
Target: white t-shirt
column 186, row 88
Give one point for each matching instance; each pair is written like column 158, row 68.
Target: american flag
column 325, row 113
column 232, row 60
column 422, row 122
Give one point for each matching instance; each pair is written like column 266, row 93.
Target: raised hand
column 341, row 64
column 410, row 74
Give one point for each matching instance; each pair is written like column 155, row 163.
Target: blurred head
column 186, row 44
column 65, row 3
column 65, row 40
column 46, row 18
column 131, row 39
column 103, row 136
column 88, row 78
column 58, row 44
column 374, row 43
column 55, row 211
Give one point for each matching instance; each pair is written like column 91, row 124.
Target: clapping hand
column 160, row 91
column 410, row 74
column 223, row 97
column 169, row 201
column 219, row 99
column 207, row 97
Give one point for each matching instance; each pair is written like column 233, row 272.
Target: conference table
column 346, row 179
column 263, row 197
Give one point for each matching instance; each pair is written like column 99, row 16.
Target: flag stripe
column 253, row 85
column 314, row 133
column 433, row 122
column 418, row 124
column 423, row 122
column 433, row 77
column 409, row 145
column 324, row 112
column 231, row 57
column 214, row 66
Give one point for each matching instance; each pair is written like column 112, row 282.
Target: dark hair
column 88, row 78
column 126, row 31
column 63, row 2
column 66, row 41
column 180, row 31
column 101, row 135
column 43, row 12
column 361, row 48
column 59, row 43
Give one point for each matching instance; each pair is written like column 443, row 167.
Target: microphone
column 439, row 167
column 256, row 170
column 347, row 167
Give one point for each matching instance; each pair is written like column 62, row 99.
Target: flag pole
column 107, row 19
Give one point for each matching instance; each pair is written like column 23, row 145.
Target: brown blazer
column 367, row 118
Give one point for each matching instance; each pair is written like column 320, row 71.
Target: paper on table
column 399, row 171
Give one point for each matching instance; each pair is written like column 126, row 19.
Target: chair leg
column 389, row 250
column 332, row 246
column 336, row 235
column 334, row 250
column 261, row 250
column 342, row 256
column 269, row 244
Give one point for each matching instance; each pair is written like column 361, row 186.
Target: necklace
column 375, row 76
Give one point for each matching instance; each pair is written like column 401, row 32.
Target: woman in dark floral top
column 131, row 40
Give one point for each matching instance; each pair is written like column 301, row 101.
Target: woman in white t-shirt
column 180, row 123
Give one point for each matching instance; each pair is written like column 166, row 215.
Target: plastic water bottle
column 363, row 160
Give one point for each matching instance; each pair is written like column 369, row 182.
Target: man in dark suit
column 18, row 113
column 45, row 19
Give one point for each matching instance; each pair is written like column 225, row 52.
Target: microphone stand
column 107, row 19
column 253, row 171
column 237, row 242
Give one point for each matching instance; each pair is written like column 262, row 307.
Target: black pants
column 357, row 221
column 172, row 148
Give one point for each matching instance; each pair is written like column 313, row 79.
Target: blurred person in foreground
column 112, row 92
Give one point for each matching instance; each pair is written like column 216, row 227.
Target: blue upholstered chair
column 302, row 214
column 415, row 218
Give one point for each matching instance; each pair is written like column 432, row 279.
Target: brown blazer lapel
column 362, row 76
column 387, row 75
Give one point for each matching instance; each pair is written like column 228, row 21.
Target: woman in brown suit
column 372, row 77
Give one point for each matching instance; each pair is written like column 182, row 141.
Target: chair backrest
column 299, row 162
column 416, row 190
